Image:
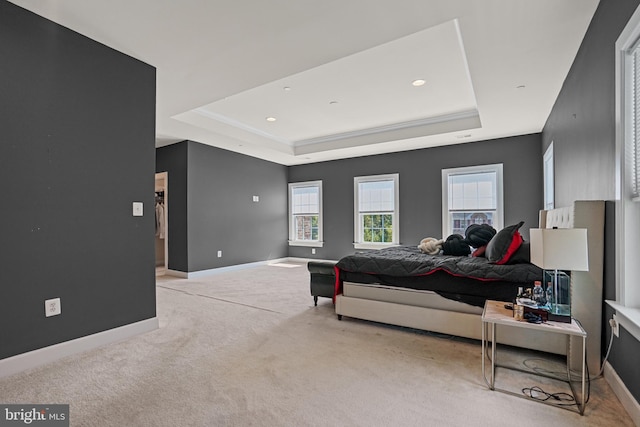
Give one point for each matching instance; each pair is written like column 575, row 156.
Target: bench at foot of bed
column 323, row 279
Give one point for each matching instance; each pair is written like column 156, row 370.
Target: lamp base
column 563, row 318
column 560, row 313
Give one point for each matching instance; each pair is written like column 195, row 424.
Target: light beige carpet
column 248, row 348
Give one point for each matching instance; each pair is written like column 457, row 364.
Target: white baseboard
column 22, row 362
column 209, row 272
column 294, row 259
column 176, row 273
column 624, row 395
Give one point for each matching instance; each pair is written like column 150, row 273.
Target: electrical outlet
column 52, row 307
column 615, row 326
column 219, row 254
column 313, row 251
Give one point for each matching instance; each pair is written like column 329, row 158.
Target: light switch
column 137, row 208
column 256, row 198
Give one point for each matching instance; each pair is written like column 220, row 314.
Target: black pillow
column 456, row 245
column 504, row 244
column 478, row 235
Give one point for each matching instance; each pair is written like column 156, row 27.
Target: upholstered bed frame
column 428, row 311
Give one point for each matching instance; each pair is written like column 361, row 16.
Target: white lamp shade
column 560, row 248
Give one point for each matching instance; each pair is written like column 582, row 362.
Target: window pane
column 473, row 191
column 375, row 209
column 305, row 211
column 305, row 200
column 387, row 235
column 461, row 220
column 377, row 228
column 306, row 227
column 376, row 196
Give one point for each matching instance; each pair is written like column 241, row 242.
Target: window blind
column 472, row 191
column 634, row 143
column 306, row 200
column 376, row 196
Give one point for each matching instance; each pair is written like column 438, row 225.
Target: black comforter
column 462, row 278
column 408, row 261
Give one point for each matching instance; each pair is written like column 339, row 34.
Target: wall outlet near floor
column 615, row 326
column 313, row 251
column 52, row 307
column 219, row 254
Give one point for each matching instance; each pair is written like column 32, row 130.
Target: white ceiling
column 336, row 74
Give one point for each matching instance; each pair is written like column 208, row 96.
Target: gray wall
column 78, row 125
column 421, row 188
column 582, row 128
column 220, row 212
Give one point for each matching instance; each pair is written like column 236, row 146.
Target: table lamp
column 557, row 250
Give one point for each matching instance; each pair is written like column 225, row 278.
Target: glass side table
column 495, row 313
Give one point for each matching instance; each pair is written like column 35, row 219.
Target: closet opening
column 161, row 231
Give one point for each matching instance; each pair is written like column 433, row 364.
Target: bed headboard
column 586, row 286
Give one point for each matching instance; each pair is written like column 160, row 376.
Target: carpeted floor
column 248, row 348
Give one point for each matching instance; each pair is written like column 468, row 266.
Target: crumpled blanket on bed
column 409, row 261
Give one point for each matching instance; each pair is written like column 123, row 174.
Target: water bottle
column 549, row 293
column 538, row 293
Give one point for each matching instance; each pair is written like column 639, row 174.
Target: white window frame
column 627, row 303
column 549, row 178
column 293, row 241
column 358, row 232
column 498, row 222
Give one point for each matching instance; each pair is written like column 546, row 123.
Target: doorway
column 162, row 231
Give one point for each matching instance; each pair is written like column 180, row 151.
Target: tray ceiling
column 306, row 81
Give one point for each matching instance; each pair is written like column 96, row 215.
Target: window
column 471, row 195
column 305, row 214
column 627, row 217
column 376, row 211
column 548, row 177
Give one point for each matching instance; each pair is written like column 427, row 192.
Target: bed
column 449, row 297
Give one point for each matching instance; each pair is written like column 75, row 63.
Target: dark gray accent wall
column 217, row 199
column 582, row 128
column 582, row 122
column 421, row 188
column 77, row 124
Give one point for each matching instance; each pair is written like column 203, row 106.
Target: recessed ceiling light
column 520, row 87
column 418, row 82
column 333, row 102
column 271, row 119
column 287, row 88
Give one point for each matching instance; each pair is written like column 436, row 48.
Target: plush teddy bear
column 430, row 245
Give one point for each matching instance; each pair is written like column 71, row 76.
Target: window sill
column 374, row 245
column 306, row 244
column 628, row 317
